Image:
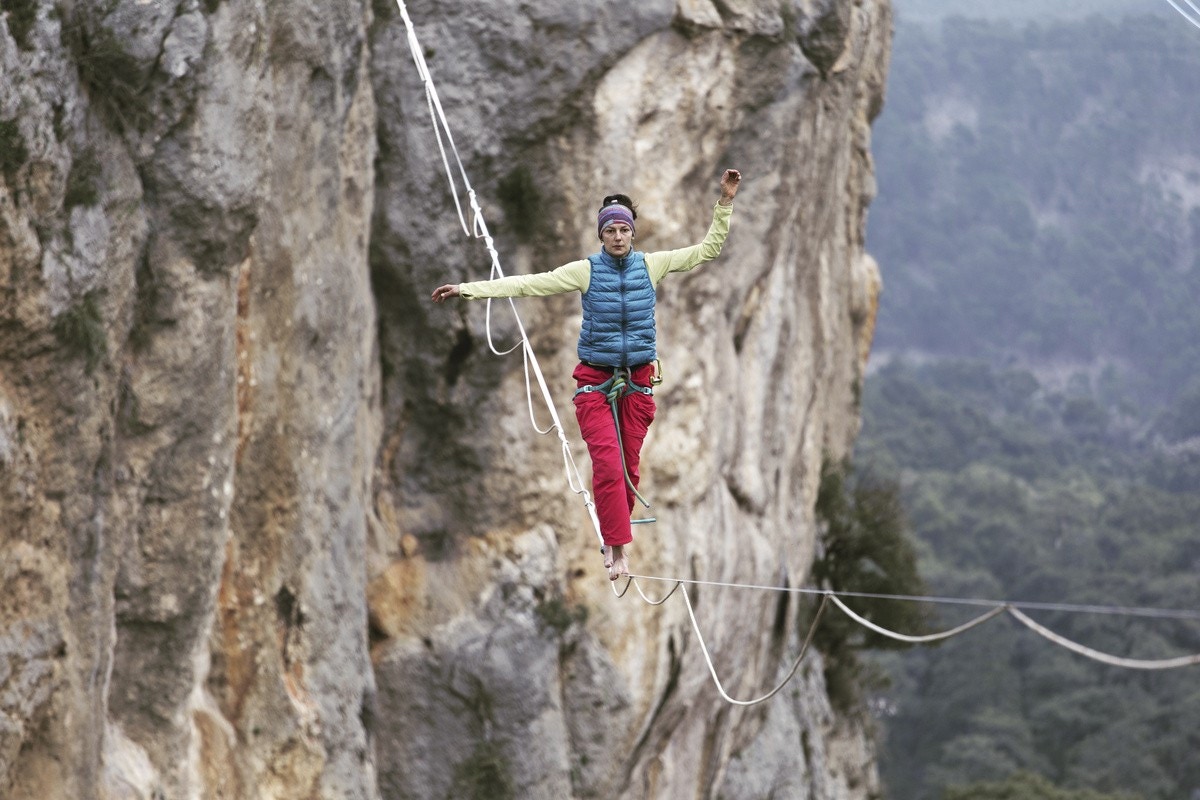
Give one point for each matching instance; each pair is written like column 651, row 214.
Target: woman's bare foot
column 608, row 556
column 616, row 561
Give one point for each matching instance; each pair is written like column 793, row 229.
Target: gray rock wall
column 273, row 525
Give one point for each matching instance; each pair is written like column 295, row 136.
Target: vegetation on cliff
column 1038, row 227
column 1016, row 492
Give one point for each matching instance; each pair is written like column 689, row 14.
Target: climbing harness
column 613, row 389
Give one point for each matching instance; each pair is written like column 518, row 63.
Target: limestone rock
column 274, row 525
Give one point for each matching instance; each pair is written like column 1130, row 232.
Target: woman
column 616, row 345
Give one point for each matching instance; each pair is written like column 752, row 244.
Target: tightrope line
column 1126, row 611
column 1013, row 609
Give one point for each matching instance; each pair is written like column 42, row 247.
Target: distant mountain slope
column 1039, row 197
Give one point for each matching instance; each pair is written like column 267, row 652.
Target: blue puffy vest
column 618, row 312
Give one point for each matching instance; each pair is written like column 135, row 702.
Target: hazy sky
column 928, row 10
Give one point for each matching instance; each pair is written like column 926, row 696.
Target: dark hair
column 619, row 199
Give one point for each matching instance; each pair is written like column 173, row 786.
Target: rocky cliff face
column 275, row 526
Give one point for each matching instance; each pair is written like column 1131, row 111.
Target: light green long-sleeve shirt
column 576, row 276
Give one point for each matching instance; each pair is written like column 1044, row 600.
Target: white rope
column 487, row 328
column 1126, row 611
column 436, row 113
column 665, row 598
column 478, row 229
column 902, row 637
column 1096, row 655
column 998, row 607
column 712, row 670
column 1185, row 14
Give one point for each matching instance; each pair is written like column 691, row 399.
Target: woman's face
column 617, row 239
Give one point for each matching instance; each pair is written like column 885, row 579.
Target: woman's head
column 615, row 223
column 616, row 208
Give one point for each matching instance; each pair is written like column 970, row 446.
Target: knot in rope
column 618, row 386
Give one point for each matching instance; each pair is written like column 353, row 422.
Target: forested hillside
column 1040, row 197
column 1016, row 491
column 1038, row 229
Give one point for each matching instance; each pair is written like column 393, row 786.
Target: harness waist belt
column 610, row 368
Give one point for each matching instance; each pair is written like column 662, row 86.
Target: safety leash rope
column 477, row 228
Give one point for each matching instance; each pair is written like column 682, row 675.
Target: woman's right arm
column 572, row 277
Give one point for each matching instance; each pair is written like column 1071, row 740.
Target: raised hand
column 729, row 185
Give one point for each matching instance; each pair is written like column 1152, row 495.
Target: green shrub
column 13, row 153
column 1024, row 786
column 82, row 188
column 483, row 776
column 81, row 330
column 864, row 546
column 22, row 15
column 114, row 78
column 557, row 614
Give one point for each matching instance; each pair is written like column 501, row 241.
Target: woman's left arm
column 688, row 258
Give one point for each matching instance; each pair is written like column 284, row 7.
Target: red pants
column 614, row 499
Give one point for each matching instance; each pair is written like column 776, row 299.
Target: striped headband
column 614, row 213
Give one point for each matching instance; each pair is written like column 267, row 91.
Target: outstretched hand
column 442, row 292
column 729, row 186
